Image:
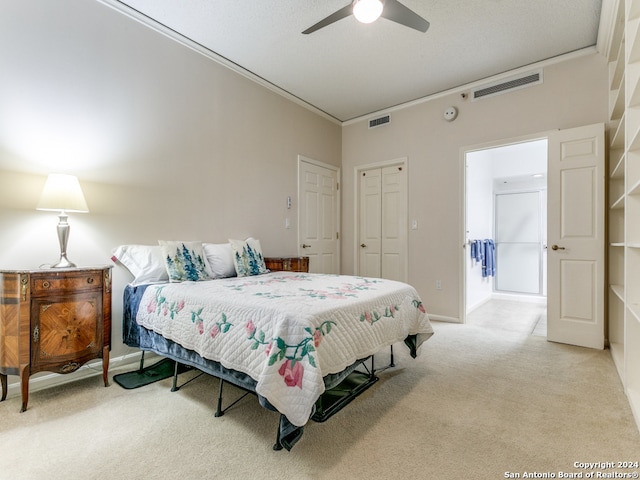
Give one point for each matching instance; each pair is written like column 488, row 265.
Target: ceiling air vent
column 507, row 85
column 378, row 122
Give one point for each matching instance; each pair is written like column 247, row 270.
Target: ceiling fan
column 367, row 11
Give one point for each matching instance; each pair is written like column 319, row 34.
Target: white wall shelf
column 617, row 140
column 619, row 291
column 618, row 166
column 634, row 189
column 619, row 203
column 624, row 199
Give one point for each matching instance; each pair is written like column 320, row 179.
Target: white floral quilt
column 286, row 330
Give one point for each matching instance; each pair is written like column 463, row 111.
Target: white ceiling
column 350, row 70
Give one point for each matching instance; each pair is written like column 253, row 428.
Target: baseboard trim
column 443, row 318
column 44, row 380
column 519, row 297
column 471, row 308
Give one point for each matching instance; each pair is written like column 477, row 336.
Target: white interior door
column 370, row 229
column 575, row 255
column 382, row 222
column 394, row 223
column 318, row 215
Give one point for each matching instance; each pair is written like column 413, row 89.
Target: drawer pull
column 46, row 284
column 90, row 280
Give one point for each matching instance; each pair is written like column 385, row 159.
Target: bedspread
column 286, row 330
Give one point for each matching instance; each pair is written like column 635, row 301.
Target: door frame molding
column 464, row 150
column 328, row 166
column 402, row 161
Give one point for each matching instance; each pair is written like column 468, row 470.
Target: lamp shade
column 62, row 193
column 367, row 11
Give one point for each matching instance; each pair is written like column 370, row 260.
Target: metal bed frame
column 330, row 402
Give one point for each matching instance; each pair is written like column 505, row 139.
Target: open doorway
column 505, row 236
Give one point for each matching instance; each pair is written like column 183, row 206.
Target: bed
column 290, row 338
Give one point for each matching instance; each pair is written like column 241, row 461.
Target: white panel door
column 370, row 228
column 576, row 234
column 382, row 223
column 318, row 216
column 394, row 223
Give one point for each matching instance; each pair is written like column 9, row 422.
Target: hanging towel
column 476, row 250
column 489, row 258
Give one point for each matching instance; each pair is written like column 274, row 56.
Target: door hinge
column 337, row 235
column 338, row 186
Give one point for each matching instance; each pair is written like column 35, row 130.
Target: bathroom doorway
column 505, row 212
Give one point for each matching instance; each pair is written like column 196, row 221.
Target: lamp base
column 63, row 237
column 63, row 263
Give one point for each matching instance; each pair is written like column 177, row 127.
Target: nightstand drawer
column 52, row 283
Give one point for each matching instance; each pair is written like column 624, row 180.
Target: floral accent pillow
column 185, row 261
column 247, row 257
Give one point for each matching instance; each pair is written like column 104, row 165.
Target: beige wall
column 167, row 143
column 574, row 93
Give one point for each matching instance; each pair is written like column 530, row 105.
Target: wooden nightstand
column 287, row 264
column 53, row 320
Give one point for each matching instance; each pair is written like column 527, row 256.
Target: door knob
column 556, row 247
column 363, row 245
column 304, row 245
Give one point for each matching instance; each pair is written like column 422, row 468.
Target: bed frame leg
column 175, row 387
column 278, row 445
column 219, row 411
column 382, row 369
column 141, row 362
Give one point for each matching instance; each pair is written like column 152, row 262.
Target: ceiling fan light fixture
column 367, row 11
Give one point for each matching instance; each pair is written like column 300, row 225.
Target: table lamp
column 62, row 193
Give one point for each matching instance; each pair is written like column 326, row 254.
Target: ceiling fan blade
column 334, row 17
column 397, row 12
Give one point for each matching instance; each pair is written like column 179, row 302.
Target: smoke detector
column 450, row 114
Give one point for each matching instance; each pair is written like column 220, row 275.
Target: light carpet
column 478, row 403
column 512, row 315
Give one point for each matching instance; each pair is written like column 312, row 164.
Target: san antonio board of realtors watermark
column 586, row 470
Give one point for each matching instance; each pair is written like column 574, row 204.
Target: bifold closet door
column 383, row 223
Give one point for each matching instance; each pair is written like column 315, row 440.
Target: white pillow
column 145, row 262
column 247, row 257
column 219, row 260
column 184, row 261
